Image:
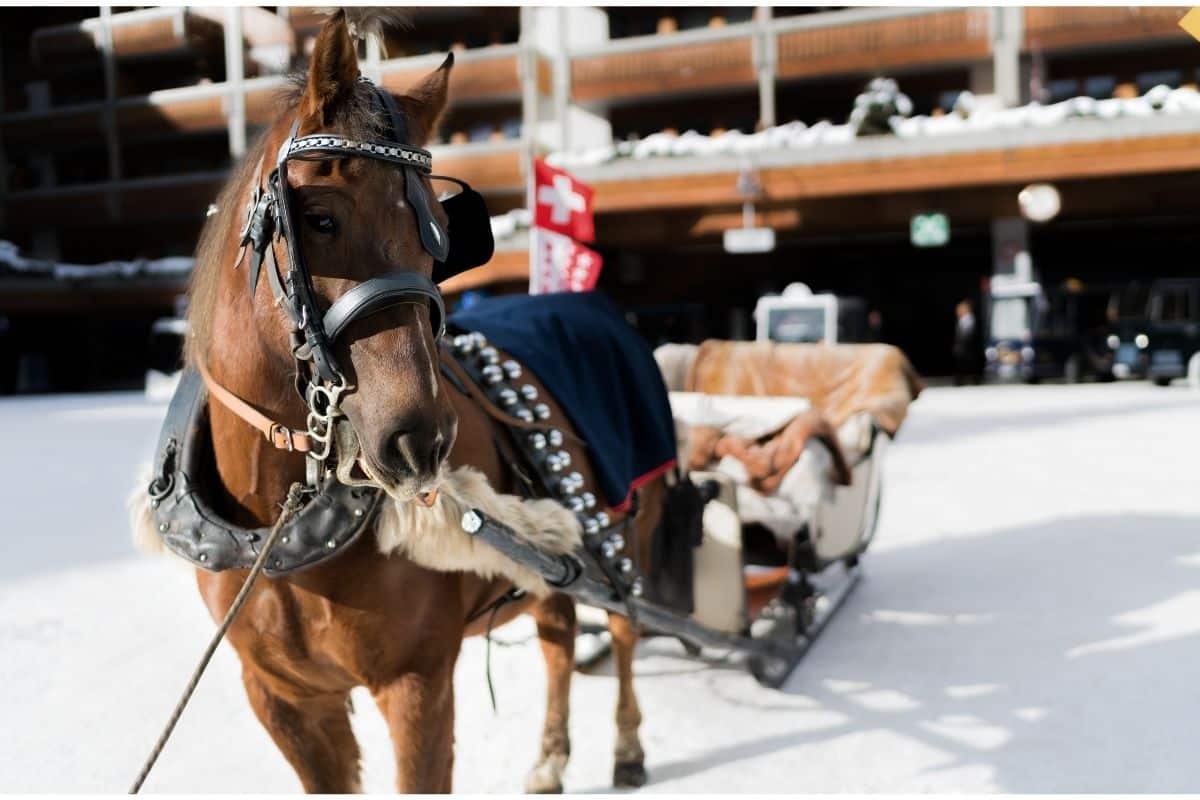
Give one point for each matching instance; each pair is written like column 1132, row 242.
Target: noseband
column 271, row 216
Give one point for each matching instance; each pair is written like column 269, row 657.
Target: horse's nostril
column 401, row 454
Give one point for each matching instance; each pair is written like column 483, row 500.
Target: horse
column 391, row 610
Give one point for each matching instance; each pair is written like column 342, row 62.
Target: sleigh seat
column 791, row 438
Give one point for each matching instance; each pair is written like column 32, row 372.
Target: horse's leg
column 629, row 767
column 419, row 709
column 313, row 733
column 556, row 632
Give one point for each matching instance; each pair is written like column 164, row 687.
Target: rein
column 290, row 507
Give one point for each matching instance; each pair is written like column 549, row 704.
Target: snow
column 12, row 260
column 971, row 115
column 1027, row 623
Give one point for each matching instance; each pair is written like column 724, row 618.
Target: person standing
column 967, row 345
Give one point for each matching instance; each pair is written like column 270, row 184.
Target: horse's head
column 348, row 220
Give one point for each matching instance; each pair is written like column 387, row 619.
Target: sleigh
column 783, row 447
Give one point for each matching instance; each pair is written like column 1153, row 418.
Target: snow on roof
column 12, row 261
column 971, row 114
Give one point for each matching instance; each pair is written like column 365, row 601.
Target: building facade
column 119, row 126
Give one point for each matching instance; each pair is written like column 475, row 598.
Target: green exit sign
column 929, row 230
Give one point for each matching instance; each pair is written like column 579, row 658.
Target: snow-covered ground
column 1029, row 622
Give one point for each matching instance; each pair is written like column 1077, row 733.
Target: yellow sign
column 1191, row 23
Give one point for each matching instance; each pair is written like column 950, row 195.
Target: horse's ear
column 426, row 101
column 333, row 71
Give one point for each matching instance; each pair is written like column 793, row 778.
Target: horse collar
column 334, row 516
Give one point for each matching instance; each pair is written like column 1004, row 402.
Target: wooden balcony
column 488, row 74
column 155, row 31
column 490, row 167
column 168, row 197
column 871, row 40
column 1080, row 151
column 190, row 109
column 646, row 66
column 1067, row 27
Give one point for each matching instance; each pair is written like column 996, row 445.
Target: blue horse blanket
column 601, row 372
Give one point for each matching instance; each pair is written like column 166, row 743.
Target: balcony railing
column 659, row 64
column 869, row 40
column 487, row 74
column 1062, row 27
column 490, row 167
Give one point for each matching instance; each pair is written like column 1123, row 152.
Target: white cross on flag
column 562, row 264
column 562, row 219
column 564, row 205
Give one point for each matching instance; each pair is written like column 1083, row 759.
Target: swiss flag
column 563, row 204
column 563, row 265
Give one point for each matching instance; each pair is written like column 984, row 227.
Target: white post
column 1006, row 33
column 234, row 75
column 529, row 117
column 765, row 60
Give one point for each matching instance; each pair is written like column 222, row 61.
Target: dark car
column 1119, row 350
column 1037, row 332
column 1173, row 329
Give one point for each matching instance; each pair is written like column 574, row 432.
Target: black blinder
column 470, row 228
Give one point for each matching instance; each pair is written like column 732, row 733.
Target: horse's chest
column 362, row 620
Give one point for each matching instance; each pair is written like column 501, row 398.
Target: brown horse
column 377, row 615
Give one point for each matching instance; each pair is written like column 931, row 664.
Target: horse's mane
column 356, row 118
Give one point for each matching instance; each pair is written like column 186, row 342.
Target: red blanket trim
column 641, row 481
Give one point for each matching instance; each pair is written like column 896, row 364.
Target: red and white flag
column 562, row 264
column 562, row 219
column 563, row 204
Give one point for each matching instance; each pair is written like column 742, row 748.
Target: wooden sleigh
column 821, row 513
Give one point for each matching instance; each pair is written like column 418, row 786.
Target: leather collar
column 331, row 519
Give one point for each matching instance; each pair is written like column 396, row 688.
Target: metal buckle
column 287, row 436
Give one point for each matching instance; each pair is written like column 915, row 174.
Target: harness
column 465, row 242
column 190, row 527
column 336, row 507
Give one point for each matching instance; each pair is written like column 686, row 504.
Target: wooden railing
column 876, row 39
column 651, row 65
column 484, row 75
column 490, row 167
column 1057, row 27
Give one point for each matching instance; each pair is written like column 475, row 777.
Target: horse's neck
column 254, row 474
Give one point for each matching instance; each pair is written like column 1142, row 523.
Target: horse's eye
column 321, row 223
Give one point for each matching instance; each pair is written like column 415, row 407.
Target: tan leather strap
column 279, row 435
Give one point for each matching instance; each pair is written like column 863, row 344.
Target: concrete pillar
column 1010, row 248
column 235, row 74
column 765, row 61
column 1006, row 33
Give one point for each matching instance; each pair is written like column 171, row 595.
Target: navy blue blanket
column 601, row 372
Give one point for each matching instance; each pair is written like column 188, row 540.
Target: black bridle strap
column 298, row 282
column 383, row 292
column 434, row 237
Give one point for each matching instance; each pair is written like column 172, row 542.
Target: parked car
column 1119, row 351
column 1036, row 332
column 1173, row 329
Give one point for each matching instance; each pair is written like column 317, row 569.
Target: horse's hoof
column 629, row 775
column 546, row 777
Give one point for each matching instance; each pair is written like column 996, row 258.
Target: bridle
column 464, row 243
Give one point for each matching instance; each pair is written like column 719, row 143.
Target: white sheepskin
column 145, row 537
column 433, row 536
